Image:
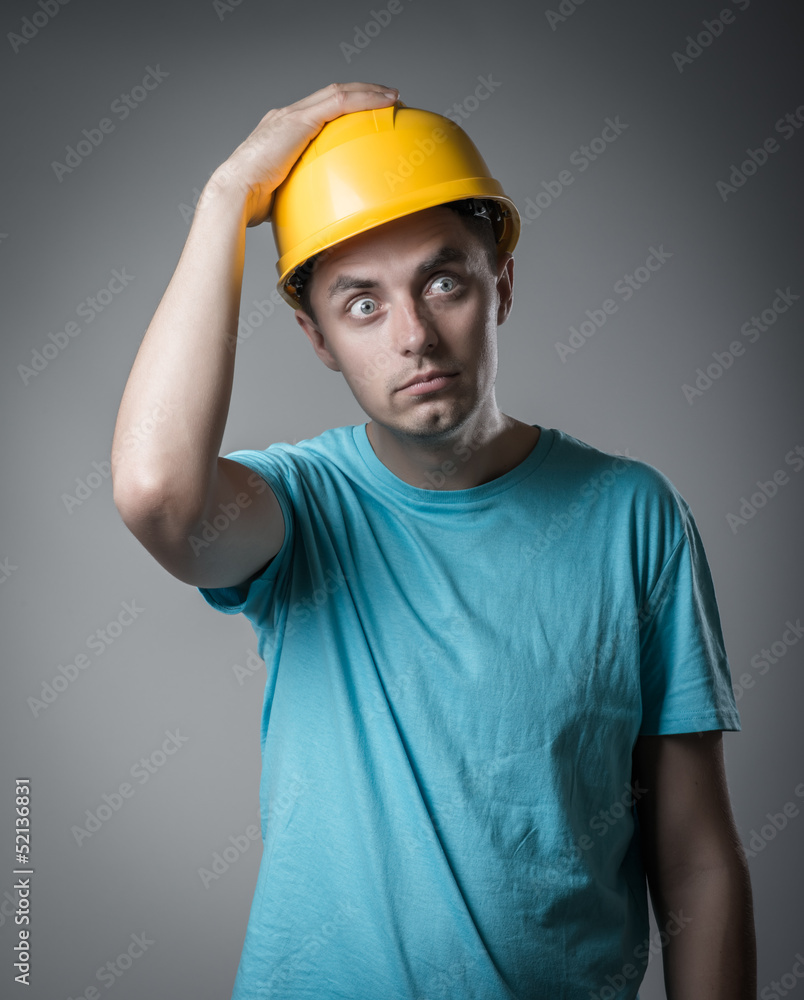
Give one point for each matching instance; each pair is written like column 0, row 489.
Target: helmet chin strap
column 295, row 283
column 485, row 208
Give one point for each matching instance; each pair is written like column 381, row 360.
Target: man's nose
column 414, row 329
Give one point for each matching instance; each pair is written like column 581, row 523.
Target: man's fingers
column 341, row 98
column 328, row 92
column 265, row 158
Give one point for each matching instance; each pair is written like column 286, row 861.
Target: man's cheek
column 370, row 372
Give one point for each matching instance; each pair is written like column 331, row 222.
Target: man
column 496, row 675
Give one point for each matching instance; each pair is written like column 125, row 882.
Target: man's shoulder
column 595, row 469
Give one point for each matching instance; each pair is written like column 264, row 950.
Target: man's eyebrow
column 445, row 255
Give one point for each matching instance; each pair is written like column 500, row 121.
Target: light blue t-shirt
column 455, row 682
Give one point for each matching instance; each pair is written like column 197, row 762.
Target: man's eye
column 446, row 277
column 362, row 307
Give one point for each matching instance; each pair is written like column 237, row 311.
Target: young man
column 496, row 675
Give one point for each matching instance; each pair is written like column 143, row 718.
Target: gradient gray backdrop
column 67, row 572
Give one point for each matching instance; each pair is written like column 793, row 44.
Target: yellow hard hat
column 369, row 167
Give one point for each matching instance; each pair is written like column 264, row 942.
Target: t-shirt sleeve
column 684, row 670
column 259, row 596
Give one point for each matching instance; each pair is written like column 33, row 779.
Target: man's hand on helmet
column 260, row 163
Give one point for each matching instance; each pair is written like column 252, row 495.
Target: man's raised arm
column 167, row 474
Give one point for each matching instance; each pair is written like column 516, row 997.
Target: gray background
column 125, row 206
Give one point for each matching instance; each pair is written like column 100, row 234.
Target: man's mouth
column 427, row 382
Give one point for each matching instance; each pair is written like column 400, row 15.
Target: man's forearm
column 173, row 413
column 711, row 949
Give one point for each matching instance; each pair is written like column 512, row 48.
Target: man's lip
column 426, row 377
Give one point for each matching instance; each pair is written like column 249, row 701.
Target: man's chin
column 423, row 429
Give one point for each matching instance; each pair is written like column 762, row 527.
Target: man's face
column 411, row 297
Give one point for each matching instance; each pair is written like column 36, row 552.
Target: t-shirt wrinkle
column 656, row 588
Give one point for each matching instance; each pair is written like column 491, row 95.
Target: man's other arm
column 696, row 868
column 167, row 473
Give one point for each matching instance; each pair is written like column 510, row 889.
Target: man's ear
column 505, row 285
column 316, row 338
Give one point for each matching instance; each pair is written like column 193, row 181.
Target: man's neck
column 473, row 458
